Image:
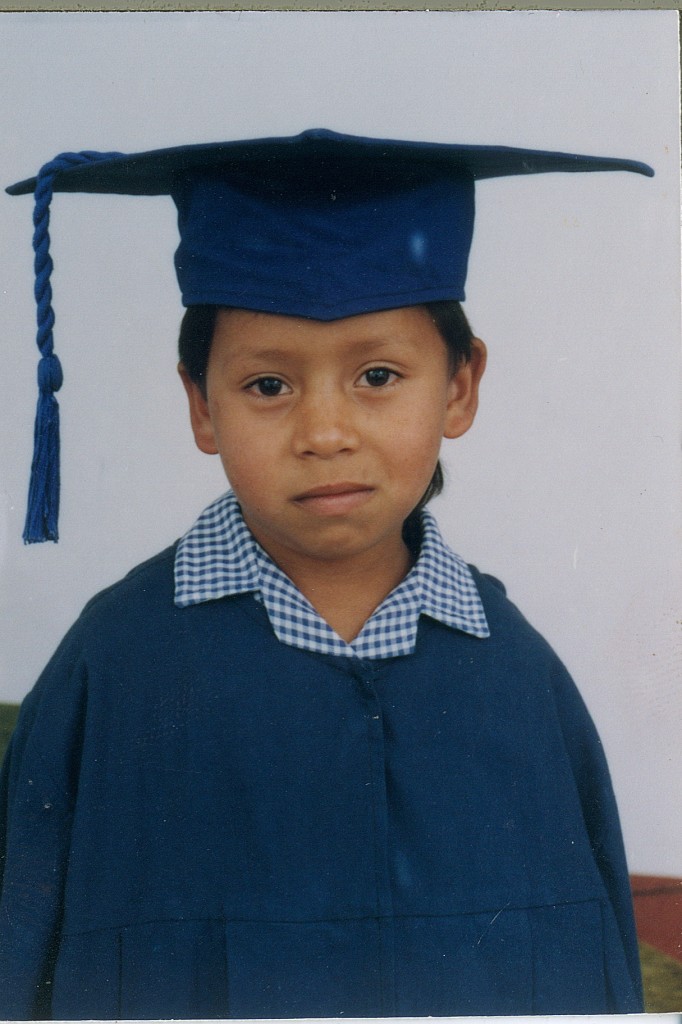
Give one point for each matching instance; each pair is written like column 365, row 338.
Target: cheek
column 415, row 447
column 248, row 456
column 417, row 428
column 228, row 437
column 240, row 469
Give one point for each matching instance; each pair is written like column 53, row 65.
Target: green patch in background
column 662, row 977
column 8, row 717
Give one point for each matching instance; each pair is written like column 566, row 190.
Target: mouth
column 334, row 499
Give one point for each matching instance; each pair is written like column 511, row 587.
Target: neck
column 344, row 594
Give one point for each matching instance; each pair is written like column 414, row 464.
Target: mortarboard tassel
column 43, row 494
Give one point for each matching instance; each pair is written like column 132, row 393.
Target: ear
column 463, row 392
column 199, row 415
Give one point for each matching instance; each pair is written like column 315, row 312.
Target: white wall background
column 568, row 488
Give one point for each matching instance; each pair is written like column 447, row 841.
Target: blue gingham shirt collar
column 219, row 557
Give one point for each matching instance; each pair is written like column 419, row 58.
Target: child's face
column 329, row 433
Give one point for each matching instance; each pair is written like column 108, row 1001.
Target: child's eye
column 379, row 376
column 268, row 387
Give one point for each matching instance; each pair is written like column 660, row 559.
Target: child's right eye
column 268, row 387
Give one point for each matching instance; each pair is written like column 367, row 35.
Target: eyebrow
column 275, row 354
column 263, row 355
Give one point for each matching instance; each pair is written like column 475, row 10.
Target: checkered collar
column 219, row 557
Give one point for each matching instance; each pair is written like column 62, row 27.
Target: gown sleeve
column 593, row 782
column 37, row 799
column 579, row 744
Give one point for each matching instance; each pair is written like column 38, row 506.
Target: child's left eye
column 379, row 376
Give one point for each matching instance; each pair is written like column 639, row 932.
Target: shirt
column 219, row 557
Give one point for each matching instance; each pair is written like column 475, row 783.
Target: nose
column 326, row 426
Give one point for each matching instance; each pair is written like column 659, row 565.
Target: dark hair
column 196, row 335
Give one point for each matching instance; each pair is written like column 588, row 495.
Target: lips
column 334, row 499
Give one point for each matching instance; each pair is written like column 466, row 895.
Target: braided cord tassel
column 43, row 493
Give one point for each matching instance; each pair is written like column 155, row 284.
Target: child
column 307, row 762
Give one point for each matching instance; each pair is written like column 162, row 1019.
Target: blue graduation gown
column 203, row 822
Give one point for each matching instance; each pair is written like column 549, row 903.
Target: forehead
column 241, row 333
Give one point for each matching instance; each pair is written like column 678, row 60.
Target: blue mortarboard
column 319, row 225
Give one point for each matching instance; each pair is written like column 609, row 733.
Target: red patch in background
column 658, row 913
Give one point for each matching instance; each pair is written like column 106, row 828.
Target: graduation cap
column 319, row 225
